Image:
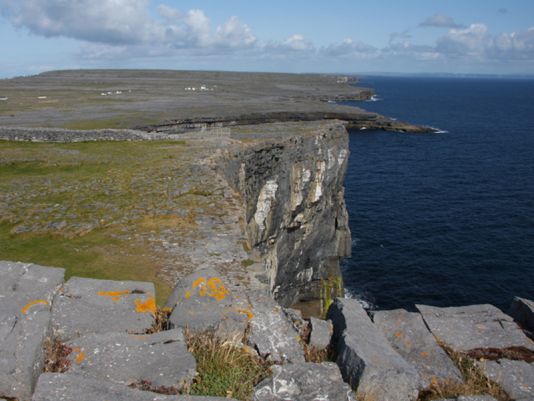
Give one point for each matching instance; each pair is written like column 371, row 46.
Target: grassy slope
column 94, row 208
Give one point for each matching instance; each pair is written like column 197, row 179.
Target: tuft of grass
column 224, row 369
column 475, row 382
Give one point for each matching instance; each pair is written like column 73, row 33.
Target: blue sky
column 412, row 36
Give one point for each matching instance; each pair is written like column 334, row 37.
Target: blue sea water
column 443, row 219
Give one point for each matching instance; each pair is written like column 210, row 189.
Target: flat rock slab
column 367, row 360
column 477, row 326
column 26, row 294
column 202, row 301
column 160, row 359
column 515, row 377
column 272, row 334
column 61, row 387
column 409, row 336
column 522, row 310
column 321, row 333
column 86, row 306
column 304, row 382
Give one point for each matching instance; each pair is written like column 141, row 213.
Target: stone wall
column 295, row 210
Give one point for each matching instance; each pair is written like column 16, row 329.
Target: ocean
column 443, row 219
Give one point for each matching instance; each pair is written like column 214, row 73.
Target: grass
column 224, row 369
column 475, row 382
column 99, row 209
column 95, row 255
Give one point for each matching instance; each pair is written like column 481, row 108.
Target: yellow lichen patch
column 213, row 287
column 33, row 303
column 114, row 295
column 148, row 306
column 216, row 289
column 247, row 312
column 80, row 355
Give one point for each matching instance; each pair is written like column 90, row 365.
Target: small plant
column 224, row 369
column 161, row 320
column 475, row 382
column 56, row 356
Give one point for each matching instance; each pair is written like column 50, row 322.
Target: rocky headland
column 230, row 198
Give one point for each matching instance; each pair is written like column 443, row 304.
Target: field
column 105, row 209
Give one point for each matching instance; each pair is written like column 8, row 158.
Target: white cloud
column 440, row 21
column 350, row 48
column 296, row 43
column 106, row 23
column 234, row 34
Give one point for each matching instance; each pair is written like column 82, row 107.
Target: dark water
column 444, row 219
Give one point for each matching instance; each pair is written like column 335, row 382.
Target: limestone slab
column 86, row 306
column 409, row 336
column 476, row 326
column 367, row 360
column 26, row 294
column 522, row 310
column 160, row 359
column 202, row 301
column 272, row 334
column 515, row 377
column 304, row 382
column 62, row 387
column 321, row 333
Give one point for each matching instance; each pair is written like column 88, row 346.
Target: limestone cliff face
column 295, row 208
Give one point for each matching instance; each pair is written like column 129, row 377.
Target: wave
column 374, row 98
column 365, row 303
column 439, row 131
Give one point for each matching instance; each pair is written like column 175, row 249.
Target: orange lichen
column 213, row 287
column 114, row 295
column 424, row 354
column 80, row 356
column 148, row 306
column 28, row 306
column 398, row 334
column 246, row 312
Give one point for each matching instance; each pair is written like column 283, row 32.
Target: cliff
column 295, row 212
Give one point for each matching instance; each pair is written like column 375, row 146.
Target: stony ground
column 95, row 99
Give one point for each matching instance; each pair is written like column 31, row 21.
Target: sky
column 335, row 36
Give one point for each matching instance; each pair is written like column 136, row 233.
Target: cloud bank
column 127, row 29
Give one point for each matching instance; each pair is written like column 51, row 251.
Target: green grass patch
column 224, row 369
column 95, row 255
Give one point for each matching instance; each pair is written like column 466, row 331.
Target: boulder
column 159, row 360
column 522, row 310
column 515, row 377
column 86, row 306
column 26, row 294
column 409, row 336
column 202, row 301
column 272, row 334
column 55, row 387
column 304, row 382
column 367, row 360
column 321, row 333
column 477, row 326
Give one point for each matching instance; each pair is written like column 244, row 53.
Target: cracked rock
column 26, row 293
